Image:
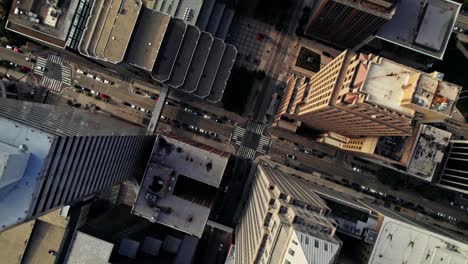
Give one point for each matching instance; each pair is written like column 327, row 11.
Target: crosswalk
column 55, row 58
column 66, row 75
column 51, row 84
column 264, row 144
column 238, row 135
column 256, row 127
column 245, row 152
column 40, row 62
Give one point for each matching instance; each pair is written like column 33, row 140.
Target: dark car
column 126, row 103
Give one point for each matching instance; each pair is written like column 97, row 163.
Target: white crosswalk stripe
column 66, row 75
column 51, row 84
column 257, row 128
column 55, row 58
column 246, row 152
column 40, row 62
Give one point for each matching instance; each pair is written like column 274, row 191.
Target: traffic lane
column 183, row 116
column 15, row 57
column 334, row 169
column 285, row 149
column 117, row 94
column 115, row 109
column 304, row 142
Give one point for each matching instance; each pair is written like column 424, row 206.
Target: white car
column 105, row 81
column 40, row 68
column 89, row 75
column 94, row 92
column 98, row 79
column 79, row 71
column 207, row 117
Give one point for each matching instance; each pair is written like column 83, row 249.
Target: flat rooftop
column 222, row 76
column 211, row 68
column 149, row 35
column 428, row 152
column 423, row 26
column 184, row 57
column 416, row 245
column 90, row 26
column 120, row 27
column 36, row 19
column 189, row 10
column 380, row 8
column 170, row 47
column 198, row 62
column 179, row 185
column 384, row 82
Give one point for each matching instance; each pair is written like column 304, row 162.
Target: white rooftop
column 399, row 242
column 423, row 26
column 88, row 249
column 428, row 152
column 384, row 83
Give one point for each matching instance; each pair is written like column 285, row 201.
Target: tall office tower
column 367, row 95
column 54, row 156
column 284, row 221
column 454, row 175
column 347, row 23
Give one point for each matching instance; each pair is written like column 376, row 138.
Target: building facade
column 55, row 156
column 348, row 23
column 285, row 222
column 365, row 95
column 454, row 174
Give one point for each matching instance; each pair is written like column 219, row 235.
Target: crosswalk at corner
column 256, row 128
column 245, row 152
column 42, row 63
column 66, row 75
column 55, row 58
column 51, row 84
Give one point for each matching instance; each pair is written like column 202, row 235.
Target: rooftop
column 187, row 10
column 211, row 68
column 428, row 152
column 222, row 76
column 415, row 245
column 383, row 84
column 119, row 28
column 89, row 249
column 146, row 43
column 170, row 47
column 424, row 26
column 184, row 57
column 38, row 20
column 381, row 8
column 198, row 62
column 179, row 184
column 435, row 94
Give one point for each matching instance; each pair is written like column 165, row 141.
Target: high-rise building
column 347, row 23
column 454, row 174
column 366, row 95
column 284, row 221
column 54, row 156
column 180, row 183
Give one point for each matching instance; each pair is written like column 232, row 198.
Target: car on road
column 104, row 96
column 95, row 92
column 17, row 50
column 42, row 68
column 137, row 92
column 98, row 79
column 186, row 109
column 207, row 117
column 136, row 107
column 153, row 97
column 77, row 90
column 24, row 69
column 291, row 156
column 9, row 47
column 89, row 75
column 197, row 113
column 126, row 103
column 30, row 59
column 213, row 134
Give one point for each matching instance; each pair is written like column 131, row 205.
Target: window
column 316, row 243
column 325, row 247
column 287, row 261
column 307, row 240
column 295, row 242
column 291, row 252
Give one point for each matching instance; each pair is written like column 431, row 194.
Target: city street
column 275, row 65
column 337, row 169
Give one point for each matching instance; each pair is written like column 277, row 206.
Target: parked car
column 153, row 97
column 104, row 96
column 126, row 103
column 17, row 50
column 80, row 71
column 42, row 68
column 30, row 59
column 291, row 156
column 137, row 92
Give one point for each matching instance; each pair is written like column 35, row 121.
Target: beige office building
column 284, row 221
column 367, row 95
